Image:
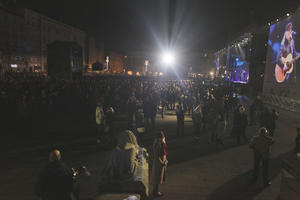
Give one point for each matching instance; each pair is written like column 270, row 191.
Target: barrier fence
column 282, row 102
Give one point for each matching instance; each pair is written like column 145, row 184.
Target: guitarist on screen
column 286, row 60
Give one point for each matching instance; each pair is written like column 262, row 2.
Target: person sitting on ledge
column 124, row 173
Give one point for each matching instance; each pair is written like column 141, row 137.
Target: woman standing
column 160, row 162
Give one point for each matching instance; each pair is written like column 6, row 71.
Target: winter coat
column 158, row 173
column 55, row 182
column 241, row 121
column 261, row 145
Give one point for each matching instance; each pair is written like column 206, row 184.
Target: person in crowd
column 240, row 125
column 153, row 110
column 197, row 117
column 297, row 148
column 163, row 106
column 158, row 173
column 110, row 121
column 131, row 109
column 211, row 120
column 268, row 120
column 220, row 128
column 226, row 108
column 99, row 122
column 180, row 121
column 273, row 118
column 147, row 112
column 55, row 182
column 256, row 109
column 261, row 150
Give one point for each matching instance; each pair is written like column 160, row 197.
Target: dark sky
column 129, row 25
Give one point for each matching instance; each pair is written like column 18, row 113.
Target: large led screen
column 281, row 74
column 233, row 63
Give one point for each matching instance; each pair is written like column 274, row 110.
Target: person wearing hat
column 261, row 150
column 55, row 182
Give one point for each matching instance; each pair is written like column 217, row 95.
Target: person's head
column 242, row 109
column 161, row 136
column 54, row 155
column 219, row 116
column 127, row 140
column 263, row 131
column 288, row 31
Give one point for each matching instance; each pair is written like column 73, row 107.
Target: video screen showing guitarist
column 286, row 67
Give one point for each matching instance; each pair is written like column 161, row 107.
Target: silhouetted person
column 261, row 149
column 297, row 148
column 158, row 173
column 273, row 118
column 56, row 180
column 240, row 125
column 180, row 121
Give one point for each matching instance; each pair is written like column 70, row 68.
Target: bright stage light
column 168, row 58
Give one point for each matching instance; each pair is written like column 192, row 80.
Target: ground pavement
column 226, row 174
column 196, row 170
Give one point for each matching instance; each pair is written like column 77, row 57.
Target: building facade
column 25, row 34
column 41, row 31
column 94, row 52
column 116, row 63
column 12, row 47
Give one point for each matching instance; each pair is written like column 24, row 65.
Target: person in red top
column 158, row 173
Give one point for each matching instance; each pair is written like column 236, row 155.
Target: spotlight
column 288, row 14
column 168, row 58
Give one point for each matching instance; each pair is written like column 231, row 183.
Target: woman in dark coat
column 160, row 162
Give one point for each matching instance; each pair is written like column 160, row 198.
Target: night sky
column 142, row 25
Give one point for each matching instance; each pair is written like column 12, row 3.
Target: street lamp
column 107, row 61
column 146, row 64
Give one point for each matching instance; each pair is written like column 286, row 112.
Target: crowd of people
column 38, row 101
column 34, row 102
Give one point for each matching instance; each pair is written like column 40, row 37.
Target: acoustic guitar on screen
column 281, row 73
